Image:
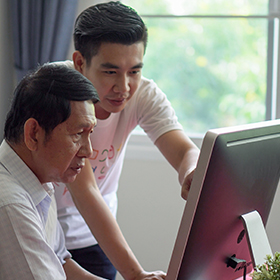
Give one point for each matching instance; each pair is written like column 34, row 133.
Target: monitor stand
column 257, row 238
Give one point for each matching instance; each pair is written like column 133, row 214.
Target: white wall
column 273, row 224
column 150, row 210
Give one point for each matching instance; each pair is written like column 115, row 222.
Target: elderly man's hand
column 155, row 275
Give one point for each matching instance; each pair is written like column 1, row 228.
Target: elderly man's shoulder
column 11, row 192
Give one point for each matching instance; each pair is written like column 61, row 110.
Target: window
column 216, row 60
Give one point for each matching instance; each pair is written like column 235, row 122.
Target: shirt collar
column 23, row 174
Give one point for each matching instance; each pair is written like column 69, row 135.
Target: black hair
column 110, row 22
column 45, row 95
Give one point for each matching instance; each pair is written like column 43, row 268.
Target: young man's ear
column 32, row 131
column 79, row 61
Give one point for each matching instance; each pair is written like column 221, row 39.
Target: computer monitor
column 237, row 172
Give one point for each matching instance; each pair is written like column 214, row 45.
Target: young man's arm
column 182, row 154
column 104, row 227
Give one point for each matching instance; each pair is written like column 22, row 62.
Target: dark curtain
column 42, row 31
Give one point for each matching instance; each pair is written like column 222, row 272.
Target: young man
column 110, row 41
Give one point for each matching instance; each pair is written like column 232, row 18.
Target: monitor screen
column 237, row 172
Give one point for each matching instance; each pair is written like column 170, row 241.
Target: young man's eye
column 134, row 72
column 110, row 72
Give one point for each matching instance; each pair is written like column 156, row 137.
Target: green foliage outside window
column 213, row 70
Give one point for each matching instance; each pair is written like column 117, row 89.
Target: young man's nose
column 122, row 85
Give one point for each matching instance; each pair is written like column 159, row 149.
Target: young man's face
column 115, row 72
column 63, row 153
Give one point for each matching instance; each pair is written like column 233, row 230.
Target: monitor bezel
column 255, row 130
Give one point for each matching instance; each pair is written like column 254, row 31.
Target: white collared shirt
column 32, row 245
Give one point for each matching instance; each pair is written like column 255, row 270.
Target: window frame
column 141, row 148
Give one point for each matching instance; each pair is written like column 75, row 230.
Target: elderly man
column 47, row 139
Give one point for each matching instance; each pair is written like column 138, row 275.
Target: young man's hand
column 187, row 185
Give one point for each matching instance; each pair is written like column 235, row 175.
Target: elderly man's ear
column 32, row 133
